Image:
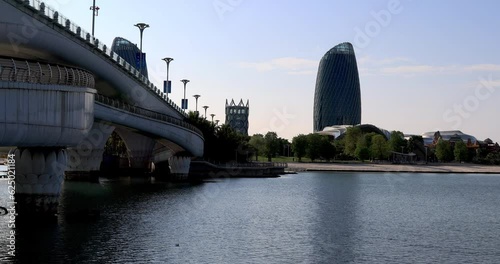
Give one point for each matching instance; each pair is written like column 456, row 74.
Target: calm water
column 303, row 218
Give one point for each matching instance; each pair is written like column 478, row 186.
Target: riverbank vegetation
column 223, row 144
column 355, row 144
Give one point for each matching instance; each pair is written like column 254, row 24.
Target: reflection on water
column 306, row 218
column 337, row 200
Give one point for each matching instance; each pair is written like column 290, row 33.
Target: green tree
column 299, row 146
column 416, row 145
column 283, row 144
column 326, row 149
column 443, row 151
column 461, row 152
column 397, row 141
column 208, row 130
column 339, row 146
column 231, row 145
column 493, row 158
column 222, row 143
column 379, row 148
column 362, row 151
column 368, row 138
column 313, row 146
column 352, row 136
column 272, row 144
column 258, row 143
column 115, row 146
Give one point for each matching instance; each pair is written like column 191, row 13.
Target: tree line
column 223, row 144
column 352, row 145
column 355, row 144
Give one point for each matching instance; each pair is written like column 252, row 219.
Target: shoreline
column 395, row 168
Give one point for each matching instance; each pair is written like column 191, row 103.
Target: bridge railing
column 13, row 70
column 145, row 112
column 64, row 23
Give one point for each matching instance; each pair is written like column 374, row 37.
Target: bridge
column 62, row 94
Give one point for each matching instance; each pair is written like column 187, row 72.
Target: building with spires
column 237, row 116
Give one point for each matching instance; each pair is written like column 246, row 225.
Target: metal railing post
column 41, row 72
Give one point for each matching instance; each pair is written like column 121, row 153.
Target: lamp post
column 95, row 12
column 217, row 122
column 426, row 147
column 167, row 60
column 196, row 96
column 402, row 155
column 184, row 104
column 212, row 115
column 205, row 107
column 141, row 27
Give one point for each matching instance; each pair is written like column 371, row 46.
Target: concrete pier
column 39, row 178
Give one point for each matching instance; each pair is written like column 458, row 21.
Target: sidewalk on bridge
column 408, row 168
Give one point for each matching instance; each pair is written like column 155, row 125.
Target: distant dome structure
column 339, row 131
column 429, row 137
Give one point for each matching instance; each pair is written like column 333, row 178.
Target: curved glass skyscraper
column 131, row 54
column 337, row 99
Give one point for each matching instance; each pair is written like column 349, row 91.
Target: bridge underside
column 142, row 150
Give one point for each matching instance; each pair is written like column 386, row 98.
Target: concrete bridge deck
column 31, row 30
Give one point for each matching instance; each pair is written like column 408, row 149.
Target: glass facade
column 131, row 54
column 237, row 116
column 337, row 98
column 429, row 137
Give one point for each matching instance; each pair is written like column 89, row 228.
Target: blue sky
column 424, row 65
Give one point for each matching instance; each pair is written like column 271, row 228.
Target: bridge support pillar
column 84, row 160
column 38, row 182
column 139, row 148
column 179, row 168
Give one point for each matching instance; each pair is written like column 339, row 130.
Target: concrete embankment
column 406, row 168
column 206, row 170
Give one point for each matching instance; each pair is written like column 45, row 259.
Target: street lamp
column 217, row 122
column 95, row 12
column 205, row 106
column 212, row 115
column 287, row 149
column 402, row 155
column 426, row 147
column 141, row 27
column 167, row 87
column 196, row 96
column 184, row 101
